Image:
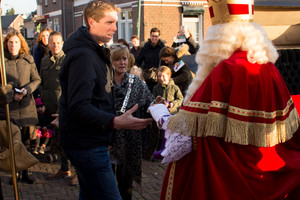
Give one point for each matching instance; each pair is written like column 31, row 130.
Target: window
column 54, row 1
column 46, row 2
column 56, row 24
column 195, row 26
column 193, row 19
column 125, row 25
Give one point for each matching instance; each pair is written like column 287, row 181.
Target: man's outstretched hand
column 127, row 121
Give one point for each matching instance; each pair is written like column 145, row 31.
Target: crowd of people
column 94, row 106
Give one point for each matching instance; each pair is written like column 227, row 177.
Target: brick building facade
column 66, row 16
column 168, row 15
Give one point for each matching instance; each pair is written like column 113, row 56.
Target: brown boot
column 74, row 181
column 59, row 174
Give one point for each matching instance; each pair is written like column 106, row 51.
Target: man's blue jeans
column 95, row 175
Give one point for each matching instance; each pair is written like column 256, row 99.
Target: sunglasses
column 114, row 46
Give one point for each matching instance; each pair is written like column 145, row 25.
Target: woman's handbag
column 23, row 158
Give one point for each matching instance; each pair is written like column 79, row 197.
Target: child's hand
column 171, row 105
column 166, row 104
column 159, row 99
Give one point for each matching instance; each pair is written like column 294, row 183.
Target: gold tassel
column 232, row 130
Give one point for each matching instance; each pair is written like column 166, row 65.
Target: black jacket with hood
column 86, row 104
column 149, row 56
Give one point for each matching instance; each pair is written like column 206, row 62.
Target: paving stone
column 59, row 189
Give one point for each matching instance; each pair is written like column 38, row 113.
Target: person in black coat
column 136, row 48
column 149, row 59
column 86, row 111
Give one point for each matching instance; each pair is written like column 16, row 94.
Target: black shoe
column 26, row 178
column 17, row 178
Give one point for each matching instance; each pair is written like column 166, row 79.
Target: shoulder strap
column 125, row 102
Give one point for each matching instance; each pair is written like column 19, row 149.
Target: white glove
column 177, row 146
column 158, row 112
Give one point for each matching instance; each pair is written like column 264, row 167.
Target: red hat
column 38, row 102
column 223, row 11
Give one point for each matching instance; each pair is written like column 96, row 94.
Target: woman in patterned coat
column 126, row 152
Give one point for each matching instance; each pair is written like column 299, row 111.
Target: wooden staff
column 10, row 142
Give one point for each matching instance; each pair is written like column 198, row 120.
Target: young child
column 167, row 89
column 170, row 93
column 135, row 70
column 43, row 128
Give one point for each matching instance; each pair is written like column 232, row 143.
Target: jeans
column 95, row 175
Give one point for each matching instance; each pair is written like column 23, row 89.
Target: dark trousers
column 1, row 194
column 65, row 163
column 95, row 174
column 124, row 182
column 25, row 137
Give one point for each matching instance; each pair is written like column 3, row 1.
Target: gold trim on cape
column 170, row 182
column 237, row 131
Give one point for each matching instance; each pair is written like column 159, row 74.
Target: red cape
column 219, row 169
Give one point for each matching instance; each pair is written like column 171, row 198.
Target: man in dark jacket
column 86, row 112
column 50, row 93
column 135, row 49
column 149, row 59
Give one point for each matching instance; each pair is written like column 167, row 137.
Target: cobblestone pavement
column 59, row 189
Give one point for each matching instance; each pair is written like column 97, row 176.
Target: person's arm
column 193, row 46
column 35, row 79
column 127, row 121
column 177, row 145
column 178, row 98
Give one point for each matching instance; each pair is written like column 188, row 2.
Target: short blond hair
column 119, row 52
column 96, row 9
column 165, row 69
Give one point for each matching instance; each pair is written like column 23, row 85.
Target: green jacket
column 171, row 93
column 50, row 86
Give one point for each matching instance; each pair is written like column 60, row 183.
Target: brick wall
column 51, row 6
column 206, row 21
column 167, row 19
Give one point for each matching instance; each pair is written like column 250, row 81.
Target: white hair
column 223, row 40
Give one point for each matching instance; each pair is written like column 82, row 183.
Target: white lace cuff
column 177, row 146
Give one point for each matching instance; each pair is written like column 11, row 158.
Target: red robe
column 230, row 160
